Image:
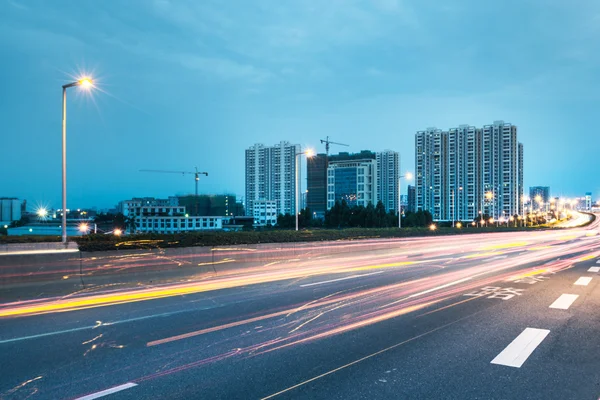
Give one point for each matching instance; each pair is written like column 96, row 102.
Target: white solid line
column 564, row 301
column 341, row 279
column 441, row 287
column 583, row 281
column 594, row 269
column 108, row 391
column 517, row 352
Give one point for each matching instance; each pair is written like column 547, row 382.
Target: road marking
column 517, row 352
column 583, row 281
column 341, row 279
column 107, row 391
column 564, row 301
column 598, row 262
column 594, row 269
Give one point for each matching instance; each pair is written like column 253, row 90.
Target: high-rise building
column 431, row 171
column 539, row 192
column 467, row 170
column 353, row 181
column 411, row 205
column 316, row 174
column 388, row 171
column 501, row 175
column 271, row 174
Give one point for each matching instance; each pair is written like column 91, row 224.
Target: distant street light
column 432, row 227
column 85, row 83
column 117, row 232
column 459, row 225
column 408, row 177
column 309, row 153
column 42, row 212
column 83, row 228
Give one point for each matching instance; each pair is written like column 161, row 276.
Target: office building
column 353, row 181
column 411, row 196
column 265, row 212
column 126, row 207
column 317, row 178
column 10, row 210
column 316, row 184
column 388, row 175
column 271, row 174
column 466, row 171
column 539, row 192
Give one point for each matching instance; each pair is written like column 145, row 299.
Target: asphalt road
column 464, row 317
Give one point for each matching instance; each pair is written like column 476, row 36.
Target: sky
column 194, row 83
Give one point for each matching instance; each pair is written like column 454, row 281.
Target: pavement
column 486, row 316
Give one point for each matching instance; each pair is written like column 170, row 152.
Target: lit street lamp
column 85, row 83
column 408, row 177
column 309, row 153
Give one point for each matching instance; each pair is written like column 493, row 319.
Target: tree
column 131, row 223
column 380, row 214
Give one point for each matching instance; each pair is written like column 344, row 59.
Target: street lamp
column 408, row 177
column 85, row 83
column 42, row 212
column 309, row 153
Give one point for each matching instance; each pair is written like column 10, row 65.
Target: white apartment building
column 502, row 170
column 271, row 174
column 353, row 181
column 265, row 213
column 388, row 173
column 431, row 172
column 456, row 169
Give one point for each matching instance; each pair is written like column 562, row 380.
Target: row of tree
column 341, row 215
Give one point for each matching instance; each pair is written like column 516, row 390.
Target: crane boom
column 328, row 142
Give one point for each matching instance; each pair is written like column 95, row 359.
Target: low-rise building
column 10, row 210
column 265, row 212
column 166, row 216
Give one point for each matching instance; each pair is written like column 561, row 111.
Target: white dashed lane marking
column 107, row 391
column 583, row 281
column 517, row 352
column 564, row 301
column 594, row 269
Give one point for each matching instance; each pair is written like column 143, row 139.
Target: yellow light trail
column 504, row 246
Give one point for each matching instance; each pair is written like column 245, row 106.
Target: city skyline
column 208, row 81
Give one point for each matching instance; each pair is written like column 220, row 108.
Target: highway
column 482, row 316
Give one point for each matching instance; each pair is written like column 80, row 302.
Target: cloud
column 223, row 68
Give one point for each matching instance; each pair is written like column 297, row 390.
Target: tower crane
column 328, row 142
column 196, row 174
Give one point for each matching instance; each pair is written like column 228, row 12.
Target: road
column 486, row 316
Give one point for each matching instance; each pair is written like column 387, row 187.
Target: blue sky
column 186, row 83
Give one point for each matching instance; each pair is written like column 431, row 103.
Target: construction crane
column 328, row 142
column 196, row 174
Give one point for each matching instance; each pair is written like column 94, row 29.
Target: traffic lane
column 240, row 389
column 66, row 355
column 92, row 338
column 456, row 362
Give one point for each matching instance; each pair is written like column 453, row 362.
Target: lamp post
column 408, row 176
column 85, row 83
column 309, row 153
